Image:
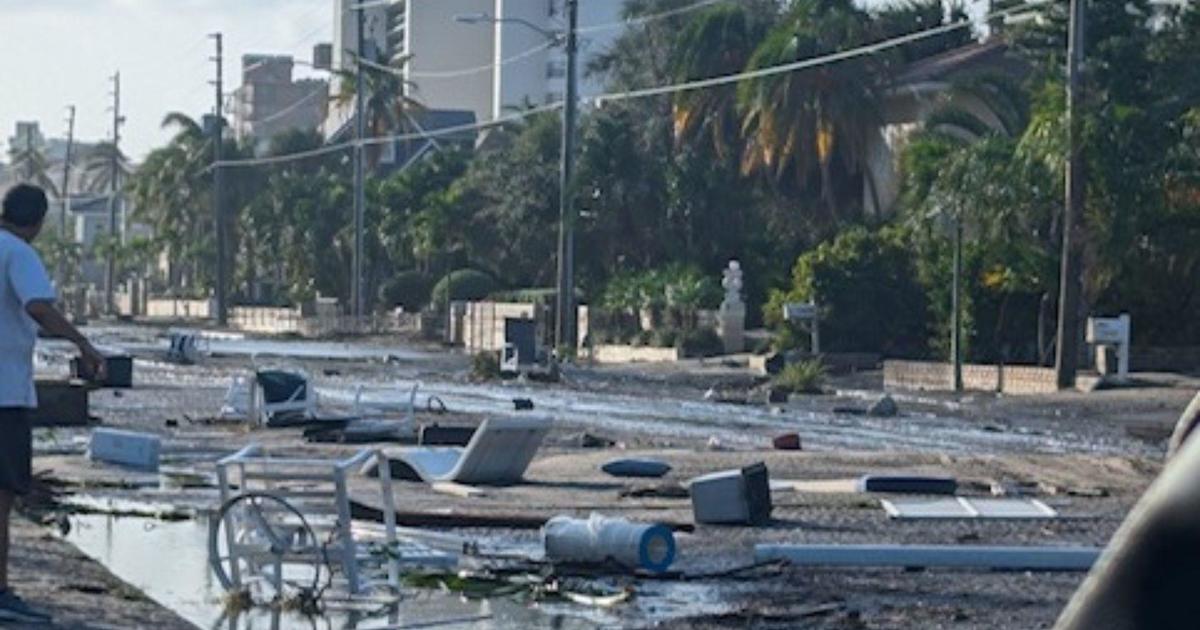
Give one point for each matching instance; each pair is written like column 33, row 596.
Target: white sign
column 1108, row 330
column 796, row 311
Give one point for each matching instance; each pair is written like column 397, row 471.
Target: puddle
column 168, row 561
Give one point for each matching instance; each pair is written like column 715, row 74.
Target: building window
column 556, row 69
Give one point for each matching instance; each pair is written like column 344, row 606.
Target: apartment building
column 483, row 56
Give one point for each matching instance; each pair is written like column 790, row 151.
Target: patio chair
column 498, row 454
column 282, row 518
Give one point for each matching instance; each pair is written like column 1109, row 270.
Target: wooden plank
column 822, row 486
column 960, row 556
column 457, row 489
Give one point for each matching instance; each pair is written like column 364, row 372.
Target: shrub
column 642, row 338
column 806, row 377
column 409, row 289
column 701, row 342
column 869, row 291
column 485, row 365
column 465, row 284
column 665, row 338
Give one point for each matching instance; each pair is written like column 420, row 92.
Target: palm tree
column 105, row 169
column 809, row 129
column 31, row 166
column 719, row 41
column 389, row 104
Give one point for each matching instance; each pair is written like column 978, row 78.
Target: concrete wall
column 483, row 323
column 934, row 376
column 169, row 308
column 635, row 354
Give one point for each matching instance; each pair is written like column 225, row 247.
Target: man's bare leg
column 6, row 501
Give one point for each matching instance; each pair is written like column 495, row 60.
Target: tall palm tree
column 31, row 167
column 719, row 41
column 106, row 168
column 389, row 103
column 809, row 129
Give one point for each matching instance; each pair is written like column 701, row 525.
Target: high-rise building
column 269, row 102
column 503, row 59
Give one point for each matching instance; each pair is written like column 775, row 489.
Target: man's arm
column 56, row 325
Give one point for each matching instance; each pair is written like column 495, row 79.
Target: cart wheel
column 252, row 548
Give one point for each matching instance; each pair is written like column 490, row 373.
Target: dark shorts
column 16, row 450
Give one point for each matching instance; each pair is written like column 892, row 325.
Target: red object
column 787, row 442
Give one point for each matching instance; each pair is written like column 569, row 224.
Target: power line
column 646, row 19
column 446, row 74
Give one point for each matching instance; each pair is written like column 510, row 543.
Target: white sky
column 59, row 52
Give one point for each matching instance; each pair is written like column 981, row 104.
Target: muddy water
column 168, row 561
column 665, row 417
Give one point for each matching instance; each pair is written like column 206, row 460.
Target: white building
column 484, row 66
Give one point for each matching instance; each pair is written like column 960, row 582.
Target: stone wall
column 935, row 376
column 171, row 308
column 634, row 354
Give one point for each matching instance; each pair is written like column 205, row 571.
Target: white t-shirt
column 23, row 279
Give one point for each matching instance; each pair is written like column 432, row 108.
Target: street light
column 565, row 326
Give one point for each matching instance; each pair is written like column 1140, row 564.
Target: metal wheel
column 260, row 544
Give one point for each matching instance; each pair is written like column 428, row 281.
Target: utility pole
column 222, row 294
column 1068, row 302
column 65, row 195
column 110, row 277
column 956, row 306
column 565, row 329
column 360, row 127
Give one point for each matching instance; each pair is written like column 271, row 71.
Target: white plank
column 967, row 508
column 962, row 556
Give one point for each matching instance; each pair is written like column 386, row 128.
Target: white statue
column 732, row 282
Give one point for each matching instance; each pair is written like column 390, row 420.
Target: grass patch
column 806, row 377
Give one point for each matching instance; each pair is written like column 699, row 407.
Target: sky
column 54, row 53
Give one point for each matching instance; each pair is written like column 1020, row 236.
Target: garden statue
column 732, row 322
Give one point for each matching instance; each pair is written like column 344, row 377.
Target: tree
column 30, row 166
column 171, row 193
column 389, row 104
column 106, row 169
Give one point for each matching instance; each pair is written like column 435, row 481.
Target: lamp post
column 566, row 318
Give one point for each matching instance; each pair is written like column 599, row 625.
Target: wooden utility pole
column 360, row 132
column 110, row 276
column 567, row 318
column 222, row 295
column 1067, row 357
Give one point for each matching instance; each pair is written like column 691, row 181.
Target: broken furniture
column 182, row 347
column 732, row 496
column 914, row 556
column 285, row 521
column 498, row 454
column 282, row 398
column 127, row 448
column 967, row 507
column 118, row 371
column 650, row 547
column 61, row 404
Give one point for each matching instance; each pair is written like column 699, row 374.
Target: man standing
column 26, row 302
